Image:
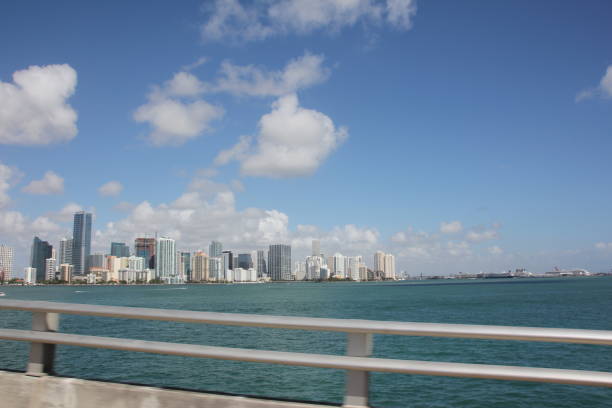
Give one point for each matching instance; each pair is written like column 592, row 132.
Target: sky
column 459, row 136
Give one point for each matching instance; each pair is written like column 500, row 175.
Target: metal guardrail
column 43, row 338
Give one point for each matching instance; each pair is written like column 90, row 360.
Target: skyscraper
column 379, row 263
column 6, row 263
column 389, row 266
column 120, row 250
column 41, row 251
column 228, row 265
column 200, row 267
column 316, row 247
column 279, row 262
column 65, row 251
column 81, row 241
column 165, row 260
column 261, row 263
column 186, row 264
column 245, row 261
column 215, row 249
column 145, row 248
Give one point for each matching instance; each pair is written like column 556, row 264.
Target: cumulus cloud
column 253, row 21
column 34, row 108
column 495, row 250
column 51, row 183
column 66, row 214
column 452, row 227
column 112, row 188
column 251, row 80
column 175, row 112
column 292, row 141
column 481, row 235
column 604, row 89
column 6, row 175
column 604, row 245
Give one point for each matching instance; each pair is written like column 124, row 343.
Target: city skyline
column 454, row 147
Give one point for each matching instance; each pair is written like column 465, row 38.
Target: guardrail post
column 41, row 354
column 357, row 387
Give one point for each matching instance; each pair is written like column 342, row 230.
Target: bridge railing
column 357, row 363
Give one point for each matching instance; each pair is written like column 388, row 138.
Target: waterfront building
column 6, row 263
column 113, row 264
column 81, row 241
column 379, row 263
column 245, row 261
column 145, row 248
column 389, row 266
column 261, row 264
column 96, row 261
column 165, row 260
column 279, row 262
column 136, row 263
column 200, row 267
column 41, row 251
column 244, row 275
column 316, row 247
column 313, row 265
column 324, row 271
column 353, row 264
column 65, row 272
column 338, row 266
column 228, row 266
column 29, row 275
column 215, row 249
column 299, row 270
column 50, row 269
column 215, row 267
column 120, row 250
column 186, row 266
column 65, row 251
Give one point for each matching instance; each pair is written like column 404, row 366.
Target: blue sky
column 460, row 136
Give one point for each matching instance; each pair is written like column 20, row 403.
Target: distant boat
column 2, row 294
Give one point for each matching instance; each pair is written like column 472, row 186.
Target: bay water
column 582, row 303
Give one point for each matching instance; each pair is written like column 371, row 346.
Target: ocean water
column 584, row 303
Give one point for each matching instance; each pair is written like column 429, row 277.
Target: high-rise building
column 279, row 262
column 200, row 267
column 245, row 261
column 65, row 251
column 261, row 263
column 136, row 263
column 50, row 269
column 379, row 263
column 6, row 263
column 316, row 247
column 145, row 248
column 215, row 249
column 299, row 270
column 96, row 261
column 120, row 250
column 41, row 251
column 215, row 269
column 29, row 275
column 186, row 264
column 165, row 260
column 313, row 267
column 228, row 265
column 389, row 266
column 338, row 266
column 81, row 241
column 65, row 272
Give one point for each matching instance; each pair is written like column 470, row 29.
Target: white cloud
column 250, row 80
column 292, row 141
column 604, row 89
column 51, row 183
column 604, row 245
column 34, row 108
column 66, row 214
column 231, row 20
column 112, row 188
column 236, row 152
column 175, row 112
column 452, row 227
column 480, row 234
column 6, row 176
column 495, row 250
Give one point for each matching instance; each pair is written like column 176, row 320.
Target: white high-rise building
column 338, row 270
column 299, row 270
column 6, row 263
column 215, row 271
column 353, row 265
column 50, row 268
column 165, row 260
column 200, row 267
column 389, row 266
column 29, row 275
column 65, row 251
column 313, row 267
column 379, row 262
column 136, row 263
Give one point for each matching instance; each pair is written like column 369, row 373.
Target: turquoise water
column 573, row 302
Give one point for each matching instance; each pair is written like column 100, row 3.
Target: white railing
column 45, row 323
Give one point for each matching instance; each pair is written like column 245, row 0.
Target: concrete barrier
column 18, row 390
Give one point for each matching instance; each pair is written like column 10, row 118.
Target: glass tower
column 279, row 262
column 81, row 242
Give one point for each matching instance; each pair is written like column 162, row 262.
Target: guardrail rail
column 357, row 363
